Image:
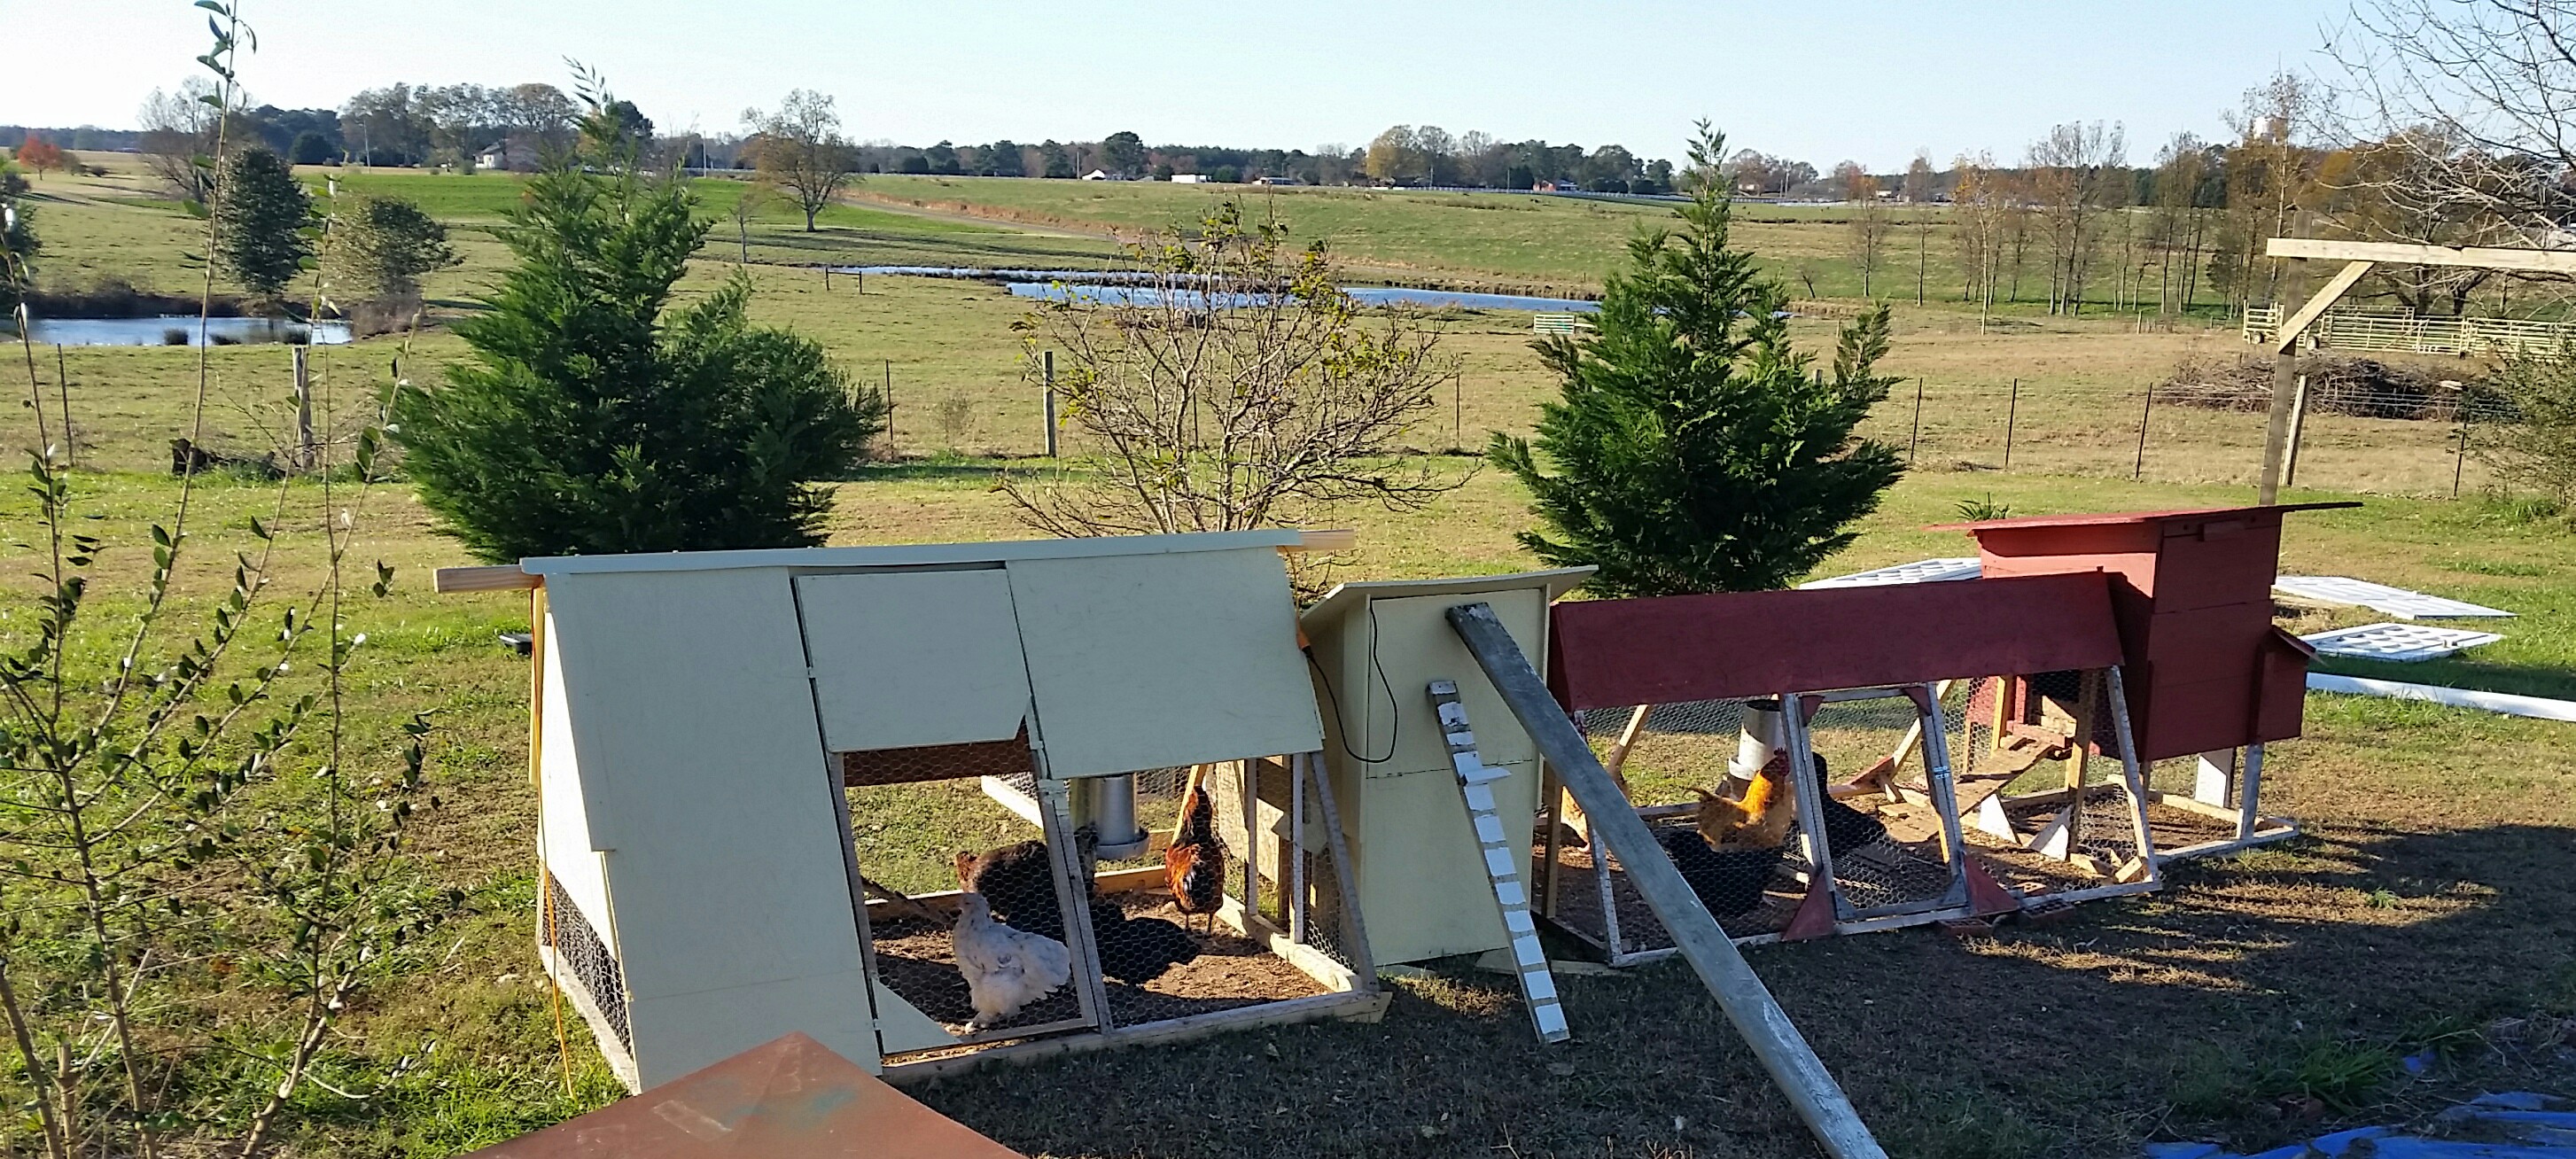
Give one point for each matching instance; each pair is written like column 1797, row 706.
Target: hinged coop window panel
column 1203, row 645
column 910, row 659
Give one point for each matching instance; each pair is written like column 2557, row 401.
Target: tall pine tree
column 594, row 417
column 1692, row 450
column 262, row 211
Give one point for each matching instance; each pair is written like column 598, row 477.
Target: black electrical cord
column 1334, row 699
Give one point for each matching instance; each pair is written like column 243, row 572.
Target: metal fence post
column 2140, row 471
column 1916, row 439
column 2012, row 411
column 2455, row 464
column 889, row 401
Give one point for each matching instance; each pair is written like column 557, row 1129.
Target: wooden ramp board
column 790, row 1098
column 1810, row 1089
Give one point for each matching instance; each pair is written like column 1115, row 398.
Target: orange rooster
column 1758, row 821
column 1194, row 864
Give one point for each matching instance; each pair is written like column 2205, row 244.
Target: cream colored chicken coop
column 756, row 767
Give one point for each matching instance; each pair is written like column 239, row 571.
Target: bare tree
column 2178, row 224
column 1981, row 202
column 2269, row 173
column 1920, row 178
column 755, row 196
column 179, row 135
column 2075, row 174
column 2482, row 96
column 1870, row 226
column 799, row 150
column 1233, row 386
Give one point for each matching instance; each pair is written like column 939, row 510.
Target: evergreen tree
column 593, row 419
column 1692, row 449
column 384, row 245
column 261, row 211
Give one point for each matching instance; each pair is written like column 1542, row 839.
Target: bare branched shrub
column 2535, row 454
column 1230, row 385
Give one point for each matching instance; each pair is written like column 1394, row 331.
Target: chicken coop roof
column 1618, row 653
column 2109, row 518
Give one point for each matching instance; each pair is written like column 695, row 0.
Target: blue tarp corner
column 2513, row 1125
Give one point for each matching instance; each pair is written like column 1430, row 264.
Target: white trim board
column 1919, row 572
column 2403, row 643
column 2537, row 707
column 2398, row 602
column 913, row 554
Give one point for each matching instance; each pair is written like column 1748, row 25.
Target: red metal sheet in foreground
column 1617, row 653
column 790, row 1099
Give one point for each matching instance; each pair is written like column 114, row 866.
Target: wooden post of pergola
column 2358, row 257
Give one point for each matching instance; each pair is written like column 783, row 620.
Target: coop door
column 905, row 660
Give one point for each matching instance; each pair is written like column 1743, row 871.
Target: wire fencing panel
column 2384, row 440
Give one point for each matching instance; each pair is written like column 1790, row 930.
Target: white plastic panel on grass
column 1153, row 661
column 2399, row 642
column 913, row 658
column 2381, row 598
column 1918, row 572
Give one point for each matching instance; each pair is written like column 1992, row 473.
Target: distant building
column 1189, row 179
column 1105, row 175
column 1556, row 187
column 1280, row 179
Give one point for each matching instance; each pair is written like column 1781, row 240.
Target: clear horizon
column 1820, row 83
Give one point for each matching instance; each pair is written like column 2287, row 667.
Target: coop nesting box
column 1377, row 647
column 2192, row 594
column 699, row 714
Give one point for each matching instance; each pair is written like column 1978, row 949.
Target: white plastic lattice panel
column 2398, row 602
column 1918, row 572
column 2400, row 642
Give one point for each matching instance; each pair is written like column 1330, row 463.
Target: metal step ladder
column 1503, row 858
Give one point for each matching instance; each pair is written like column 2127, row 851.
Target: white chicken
column 1005, row 969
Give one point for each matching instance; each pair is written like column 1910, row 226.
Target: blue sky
column 1817, row 80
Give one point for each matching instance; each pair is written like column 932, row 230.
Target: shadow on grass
column 2257, row 1000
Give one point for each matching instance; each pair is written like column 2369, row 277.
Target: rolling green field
column 2255, row 1000
column 1538, row 240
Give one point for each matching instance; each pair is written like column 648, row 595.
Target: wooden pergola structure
column 2358, row 258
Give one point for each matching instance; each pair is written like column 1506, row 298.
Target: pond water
column 181, row 330
column 1099, row 286
column 1366, row 295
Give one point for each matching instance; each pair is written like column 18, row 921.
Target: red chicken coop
column 2208, row 672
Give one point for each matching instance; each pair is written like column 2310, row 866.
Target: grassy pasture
column 2427, row 909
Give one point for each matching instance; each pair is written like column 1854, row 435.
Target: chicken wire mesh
column 917, row 844
column 1158, row 956
column 578, row 950
column 1752, row 887
column 2063, row 815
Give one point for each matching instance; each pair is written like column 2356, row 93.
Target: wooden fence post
column 303, row 406
column 1050, row 404
column 2298, row 428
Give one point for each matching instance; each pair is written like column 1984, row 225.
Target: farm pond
column 183, row 330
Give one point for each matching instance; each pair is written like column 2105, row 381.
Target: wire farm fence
column 2391, row 442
